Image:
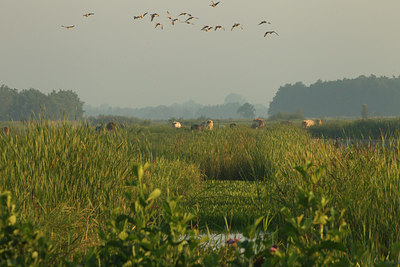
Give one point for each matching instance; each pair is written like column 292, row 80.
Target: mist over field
column 110, row 58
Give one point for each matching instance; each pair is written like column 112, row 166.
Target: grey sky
column 110, row 58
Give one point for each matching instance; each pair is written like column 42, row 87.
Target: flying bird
column 140, row 16
column 87, row 14
column 159, row 24
column 264, row 22
column 185, row 14
column 68, row 27
column 219, row 27
column 153, row 16
column 206, row 28
column 270, row 32
column 236, row 25
column 171, row 19
column 214, row 4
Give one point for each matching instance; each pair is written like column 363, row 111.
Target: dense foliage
column 30, row 103
column 340, row 98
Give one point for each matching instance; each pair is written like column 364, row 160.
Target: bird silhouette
column 270, row 32
column 206, row 28
column 219, row 27
column 159, row 24
column 214, row 4
column 140, row 16
column 264, row 22
column 171, row 19
column 185, row 14
column 87, row 14
column 68, row 27
column 236, row 25
column 152, row 16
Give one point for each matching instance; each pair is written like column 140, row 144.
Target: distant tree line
column 26, row 104
column 233, row 107
column 341, row 98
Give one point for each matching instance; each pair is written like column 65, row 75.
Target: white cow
column 176, row 124
column 209, row 125
column 308, row 123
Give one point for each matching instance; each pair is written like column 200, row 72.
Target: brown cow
column 308, row 123
column 111, row 126
column 6, row 130
column 258, row 123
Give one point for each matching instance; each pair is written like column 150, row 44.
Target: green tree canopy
column 30, row 103
column 340, row 98
column 247, row 111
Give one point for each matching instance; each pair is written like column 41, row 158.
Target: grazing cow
column 111, row 126
column 232, row 125
column 257, row 123
column 176, row 124
column 308, row 123
column 195, row 127
column 6, row 130
column 209, row 125
column 99, row 128
column 318, row 122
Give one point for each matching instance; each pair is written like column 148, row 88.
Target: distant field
column 65, row 175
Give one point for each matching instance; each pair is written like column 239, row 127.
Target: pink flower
column 274, row 249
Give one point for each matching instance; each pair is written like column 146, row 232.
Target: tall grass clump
column 233, row 154
column 64, row 174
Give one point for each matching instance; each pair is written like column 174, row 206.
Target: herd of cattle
column 257, row 123
column 206, row 125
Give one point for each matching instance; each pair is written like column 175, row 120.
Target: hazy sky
column 110, row 58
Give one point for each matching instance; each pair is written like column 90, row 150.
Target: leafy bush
column 20, row 245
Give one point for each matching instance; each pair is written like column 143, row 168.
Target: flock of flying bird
column 188, row 19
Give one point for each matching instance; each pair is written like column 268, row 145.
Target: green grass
column 239, row 201
column 65, row 175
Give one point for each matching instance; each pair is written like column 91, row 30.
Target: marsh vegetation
column 66, row 180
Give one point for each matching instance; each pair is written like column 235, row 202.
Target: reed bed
column 66, row 176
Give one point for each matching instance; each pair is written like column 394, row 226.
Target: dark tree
column 364, row 112
column 32, row 103
column 340, row 98
column 247, row 111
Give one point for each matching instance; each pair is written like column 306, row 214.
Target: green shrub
column 20, row 244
